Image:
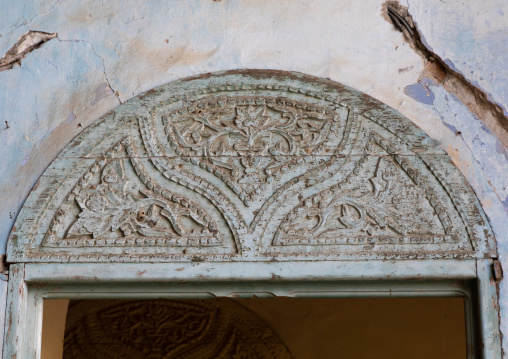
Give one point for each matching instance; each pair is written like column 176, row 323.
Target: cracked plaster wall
column 107, row 52
column 478, row 49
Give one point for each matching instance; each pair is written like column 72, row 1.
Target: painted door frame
column 30, row 284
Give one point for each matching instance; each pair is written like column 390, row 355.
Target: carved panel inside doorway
column 251, row 165
column 266, row 327
column 167, row 329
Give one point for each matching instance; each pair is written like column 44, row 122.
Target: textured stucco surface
column 130, row 47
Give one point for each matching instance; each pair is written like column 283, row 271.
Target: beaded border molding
column 251, row 165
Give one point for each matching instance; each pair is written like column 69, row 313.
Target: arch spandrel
column 251, row 165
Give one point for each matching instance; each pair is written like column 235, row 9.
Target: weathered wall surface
column 471, row 39
column 107, row 52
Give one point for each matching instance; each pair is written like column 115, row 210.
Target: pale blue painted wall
column 131, row 47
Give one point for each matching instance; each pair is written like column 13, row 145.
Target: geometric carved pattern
column 167, row 329
column 251, row 166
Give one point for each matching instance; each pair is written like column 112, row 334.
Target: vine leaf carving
column 112, row 208
column 106, row 206
column 377, row 200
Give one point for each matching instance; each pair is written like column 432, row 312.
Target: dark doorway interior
column 265, row 328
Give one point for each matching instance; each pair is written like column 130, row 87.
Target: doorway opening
column 276, row 327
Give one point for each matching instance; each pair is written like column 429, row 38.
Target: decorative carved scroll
column 378, row 202
column 241, row 166
column 249, row 142
column 167, row 329
column 112, row 210
column 109, row 206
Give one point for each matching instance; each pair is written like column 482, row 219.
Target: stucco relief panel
column 251, row 166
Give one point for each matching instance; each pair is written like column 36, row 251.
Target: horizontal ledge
column 298, row 289
column 250, row 271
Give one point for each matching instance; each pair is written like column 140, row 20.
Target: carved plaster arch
column 251, row 165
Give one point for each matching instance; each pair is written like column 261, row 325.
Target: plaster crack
column 27, row 22
column 27, row 43
column 105, row 74
column 103, row 64
column 475, row 99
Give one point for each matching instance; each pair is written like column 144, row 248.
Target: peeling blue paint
column 451, row 127
column 451, row 65
column 505, row 203
column 472, row 39
column 421, row 92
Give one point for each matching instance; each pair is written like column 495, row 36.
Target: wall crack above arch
column 439, row 71
column 117, row 95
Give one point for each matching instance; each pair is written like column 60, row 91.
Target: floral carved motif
column 167, row 329
column 378, row 202
column 239, row 167
column 382, row 205
column 251, row 142
column 111, row 208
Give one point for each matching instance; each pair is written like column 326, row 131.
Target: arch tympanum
column 251, row 165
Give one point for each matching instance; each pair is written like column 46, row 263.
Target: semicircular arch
column 251, row 165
